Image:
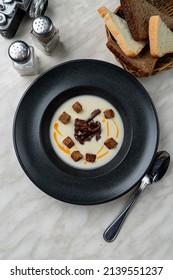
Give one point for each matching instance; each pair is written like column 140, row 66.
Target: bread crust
column 102, row 11
column 153, row 35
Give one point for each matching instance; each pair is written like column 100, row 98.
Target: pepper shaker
column 44, row 34
column 23, row 58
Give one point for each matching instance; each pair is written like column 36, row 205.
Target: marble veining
column 36, row 226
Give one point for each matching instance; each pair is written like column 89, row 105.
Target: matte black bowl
column 31, row 132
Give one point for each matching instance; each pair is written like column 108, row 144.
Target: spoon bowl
column 160, row 166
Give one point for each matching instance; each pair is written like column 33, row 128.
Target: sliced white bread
column 160, row 37
column 120, row 31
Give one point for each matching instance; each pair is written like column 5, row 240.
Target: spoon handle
column 113, row 229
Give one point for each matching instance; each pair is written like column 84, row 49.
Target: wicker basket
column 164, row 63
column 165, row 6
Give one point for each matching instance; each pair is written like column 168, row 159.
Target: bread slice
column 138, row 12
column 142, row 65
column 160, row 37
column 120, row 31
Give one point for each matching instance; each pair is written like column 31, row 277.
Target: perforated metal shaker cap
column 42, row 25
column 19, row 51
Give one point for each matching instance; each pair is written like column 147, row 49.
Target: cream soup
column 111, row 127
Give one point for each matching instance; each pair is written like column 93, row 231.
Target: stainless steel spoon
column 157, row 171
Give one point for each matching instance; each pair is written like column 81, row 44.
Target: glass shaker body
column 23, row 58
column 44, row 34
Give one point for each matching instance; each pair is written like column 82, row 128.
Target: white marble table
column 36, row 226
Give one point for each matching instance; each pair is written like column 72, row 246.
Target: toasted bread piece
column 120, row 31
column 138, row 12
column 142, row 65
column 160, row 37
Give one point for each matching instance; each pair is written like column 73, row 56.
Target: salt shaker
column 23, row 58
column 45, row 35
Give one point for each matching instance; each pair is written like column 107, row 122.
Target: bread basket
column 163, row 63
